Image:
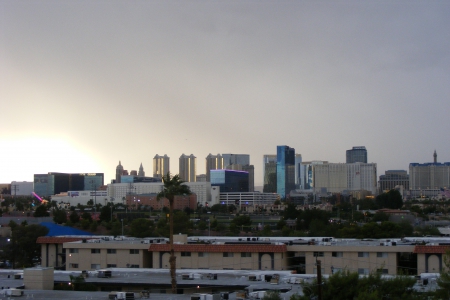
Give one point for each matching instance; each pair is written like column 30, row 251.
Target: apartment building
column 405, row 256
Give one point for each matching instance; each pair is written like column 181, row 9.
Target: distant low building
column 21, row 188
column 393, row 179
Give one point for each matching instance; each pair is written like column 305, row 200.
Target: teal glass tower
column 285, row 170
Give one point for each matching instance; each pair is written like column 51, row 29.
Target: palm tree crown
column 173, row 186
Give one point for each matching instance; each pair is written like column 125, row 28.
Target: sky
column 84, row 84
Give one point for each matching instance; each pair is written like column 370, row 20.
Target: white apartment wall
column 339, row 177
column 82, row 197
column 215, row 195
column 333, row 177
column 119, row 190
column 22, row 188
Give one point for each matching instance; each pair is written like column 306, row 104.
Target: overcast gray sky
column 85, row 84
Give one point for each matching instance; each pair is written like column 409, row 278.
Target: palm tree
column 173, row 186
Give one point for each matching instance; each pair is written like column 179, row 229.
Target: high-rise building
column 393, row 179
column 356, row 154
column 339, row 177
column 270, row 173
column 429, row 175
column 307, row 176
column 236, row 159
column 141, row 171
column 188, row 168
column 161, row 165
column 241, row 162
column 298, row 171
column 119, row 172
column 285, row 170
column 21, row 188
column 230, row 181
column 213, row 162
column 55, row 183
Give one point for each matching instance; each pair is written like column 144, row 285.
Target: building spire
column 141, row 171
column 435, row 156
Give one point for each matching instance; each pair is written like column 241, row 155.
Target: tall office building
column 298, row 171
column 119, row 172
column 307, row 176
column 55, row 183
column 188, row 168
column 429, row 175
column 230, row 181
column 392, row 179
column 236, row 159
column 338, row 177
column 161, row 166
column 270, row 173
column 356, row 154
column 285, row 170
column 213, row 162
column 141, row 171
column 241, row 162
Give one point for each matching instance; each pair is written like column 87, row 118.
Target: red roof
column 58, row 240
column 218, row 248
column 431, row 249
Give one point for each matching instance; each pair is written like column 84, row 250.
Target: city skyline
column 265, row 158
column 136, row 79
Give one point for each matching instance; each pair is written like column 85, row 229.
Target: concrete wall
column 38, row 278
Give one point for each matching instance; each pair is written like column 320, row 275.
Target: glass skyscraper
column 270, row 173
column 356, row 154
column 55, row 183
column 285, row 170
column 236, row 159
column 230, row 180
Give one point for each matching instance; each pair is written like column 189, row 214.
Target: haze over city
column 85, row 84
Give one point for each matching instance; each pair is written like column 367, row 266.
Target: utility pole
column 95, row 194
column 319, row 278
column 15, row 188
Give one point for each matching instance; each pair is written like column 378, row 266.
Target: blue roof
column 57, row 230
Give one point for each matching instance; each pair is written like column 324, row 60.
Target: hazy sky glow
column 84, row 84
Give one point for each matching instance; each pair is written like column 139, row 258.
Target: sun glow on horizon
column 42, row 155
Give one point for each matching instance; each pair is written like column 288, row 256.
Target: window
column 363, row 271
column 318, row 254
column 337, row 254
column 95, row 266
column 185, row 254
column 315, row 270
column 73, row 250
column 246, row 254
column 382, row 254
column 134, row 266
column 335, row 270
column 95, row 251
column 363, row 254
column 203, row 254
column 134, row 251
column 382, row 271
column 228, row 254
column 74, row 266
column 111, row 251
column 111, row 266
